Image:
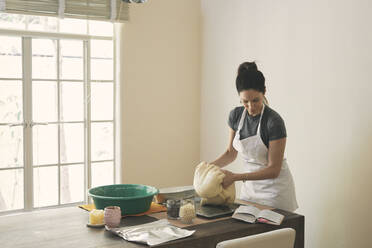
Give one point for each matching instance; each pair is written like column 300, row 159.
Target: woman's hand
column 228, row 179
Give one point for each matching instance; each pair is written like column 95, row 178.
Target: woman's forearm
column 225, row 159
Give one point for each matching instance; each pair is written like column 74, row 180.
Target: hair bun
column 247, row 66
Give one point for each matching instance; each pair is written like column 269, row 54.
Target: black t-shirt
column 272, row 125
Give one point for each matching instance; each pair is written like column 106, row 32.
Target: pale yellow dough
column 208, row 180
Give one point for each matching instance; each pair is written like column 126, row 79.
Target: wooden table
column 66, row 227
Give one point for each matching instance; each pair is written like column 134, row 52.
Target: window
column 57, row 110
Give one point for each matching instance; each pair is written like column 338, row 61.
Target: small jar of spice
column 173, row 208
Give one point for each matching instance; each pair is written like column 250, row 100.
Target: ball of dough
column 208, row 180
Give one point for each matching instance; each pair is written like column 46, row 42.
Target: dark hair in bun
column 250, row 78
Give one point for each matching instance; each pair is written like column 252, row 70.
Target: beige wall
column 160, row 54
column 316, row 56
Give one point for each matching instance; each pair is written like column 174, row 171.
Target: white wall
column 316, row 56
column 160, row 92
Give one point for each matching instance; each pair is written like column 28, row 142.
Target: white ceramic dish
column 95, row 225
column 175, row 193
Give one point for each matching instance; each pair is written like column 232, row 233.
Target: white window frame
column 26, row 36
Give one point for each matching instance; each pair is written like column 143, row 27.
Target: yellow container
column 96, row 217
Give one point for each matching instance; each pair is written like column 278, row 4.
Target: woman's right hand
column 229, row 178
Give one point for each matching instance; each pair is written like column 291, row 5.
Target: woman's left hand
column 228, row 179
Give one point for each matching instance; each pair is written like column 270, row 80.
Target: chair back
column 281, row 238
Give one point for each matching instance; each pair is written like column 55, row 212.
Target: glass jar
column 112, row 216
column 187, row 211
column 173, row 208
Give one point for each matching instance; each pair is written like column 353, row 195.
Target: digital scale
column 213, row 211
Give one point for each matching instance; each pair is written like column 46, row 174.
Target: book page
column 244, row 217
column 246, row 213
column 249, row 209
column 271, row 216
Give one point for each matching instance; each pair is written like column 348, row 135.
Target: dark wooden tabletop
column 66, row 227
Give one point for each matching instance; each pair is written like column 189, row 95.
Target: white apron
column 277, row 192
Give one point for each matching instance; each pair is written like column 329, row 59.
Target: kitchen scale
column 214, row 211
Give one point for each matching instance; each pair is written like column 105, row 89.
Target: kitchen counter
column 66, row 227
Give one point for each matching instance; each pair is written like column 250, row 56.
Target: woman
column 258, row 133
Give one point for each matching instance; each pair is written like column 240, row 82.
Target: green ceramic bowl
column 131, row 198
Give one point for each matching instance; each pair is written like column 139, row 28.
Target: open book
column 252, row 214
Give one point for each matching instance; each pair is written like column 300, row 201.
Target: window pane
column 102, row 69
column 102, row 65
column 102, row 173
column 69, row 25
column 11, row 189
column 11, row 146
column 12, row 21
column 44, row 101
column 44, row 59
column 10, row 57
column 102, row 141
column 45, row 186
column 72, row 101
column 72, row 66
column 102, row 48
column 45, row 144
column 42, row 23
column 101, row 28
column 11, row 102
column 102, row 101
column 72, row 142
column 72, row 183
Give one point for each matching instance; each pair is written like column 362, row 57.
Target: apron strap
column 241, row 121
column 259, row 122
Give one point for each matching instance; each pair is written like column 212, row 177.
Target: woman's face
column 252, row 101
